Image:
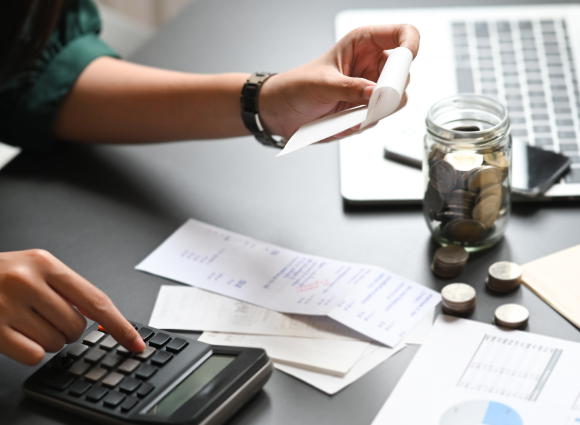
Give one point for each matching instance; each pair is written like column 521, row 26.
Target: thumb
column 351, row 90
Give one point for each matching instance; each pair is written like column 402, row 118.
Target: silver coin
column 505, row 271
column 458, row 293
column 512, row 316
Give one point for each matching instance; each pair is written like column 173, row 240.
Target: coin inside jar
column 484, row 176
column 486, row 211
column 458, row 299
column 511, row 316
column 442, row 176
column 466, row 230
column 495, row 189
column 497, row 159
column 464, row 161
column 459, row 195
column 433, row 201
column 504, row 276
column 449, row 261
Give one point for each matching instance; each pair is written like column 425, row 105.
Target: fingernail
column 367, row 92
column 138, row 345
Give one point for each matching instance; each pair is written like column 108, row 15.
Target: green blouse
column 30, row 101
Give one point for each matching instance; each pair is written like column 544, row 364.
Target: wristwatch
column 251, row 112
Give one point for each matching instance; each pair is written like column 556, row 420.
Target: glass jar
column 467, row 171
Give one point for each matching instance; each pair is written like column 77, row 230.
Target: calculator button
column 176, row 345
column 79, row 388
column 63, row 364
column 93, row 337
column 111, row 361
column 95, row 374
column 159, row 340
column 146, row 333
column 129, row 403
column 94, row 355
column 112, row 380
column 109, row 343
column 146, row 371
column 113, row 399
column 123, row 351
column 145, row 354
column 161, row 358
column 144, row 389
column 96, row 393
column 77, row 350
column 129, row 385
column 79, row 368
column 53, row 380
column 128, row 366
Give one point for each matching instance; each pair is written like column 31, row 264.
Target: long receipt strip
column 192, row 309
column 468, row 372
column 385, row 99
column 368, row 299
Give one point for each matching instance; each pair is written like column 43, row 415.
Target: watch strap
column 251, row 112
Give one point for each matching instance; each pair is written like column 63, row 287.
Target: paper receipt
column 384, row 101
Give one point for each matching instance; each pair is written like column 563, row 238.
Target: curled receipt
column 384, row 101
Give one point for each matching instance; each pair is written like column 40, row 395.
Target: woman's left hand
column 341, row 78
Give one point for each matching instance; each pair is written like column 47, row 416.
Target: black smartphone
column 535, row 170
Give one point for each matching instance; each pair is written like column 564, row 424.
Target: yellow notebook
column 556, row 279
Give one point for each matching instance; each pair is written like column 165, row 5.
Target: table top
column 102, row 209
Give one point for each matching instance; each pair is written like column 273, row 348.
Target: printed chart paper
column 468, row 372
column 385, row 100
column 328, row 356
column 369, row 299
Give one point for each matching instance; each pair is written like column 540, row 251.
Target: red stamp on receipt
column 314, row 285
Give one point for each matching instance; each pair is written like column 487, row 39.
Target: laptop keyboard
column 529, row 66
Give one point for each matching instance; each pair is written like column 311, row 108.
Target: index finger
column 94, row 303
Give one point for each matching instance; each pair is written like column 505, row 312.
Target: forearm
column 119, row 102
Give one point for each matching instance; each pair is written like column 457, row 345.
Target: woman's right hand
column 37, row 295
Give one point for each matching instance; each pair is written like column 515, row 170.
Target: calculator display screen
column 191, row 385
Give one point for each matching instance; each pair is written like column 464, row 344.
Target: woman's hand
column 341, row 78
column 37, row 295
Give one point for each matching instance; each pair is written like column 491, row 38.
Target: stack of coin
column 471, row 193
column 504, row 276
column 449, row 261
column 458, row 299
column 511, row 316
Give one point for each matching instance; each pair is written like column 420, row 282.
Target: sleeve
column 29, row 109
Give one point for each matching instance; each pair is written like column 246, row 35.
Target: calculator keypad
column 102, row 372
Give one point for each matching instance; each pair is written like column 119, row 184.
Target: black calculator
column 175, row 380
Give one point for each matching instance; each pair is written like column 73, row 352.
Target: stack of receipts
column 343, row 305
column 315, row 349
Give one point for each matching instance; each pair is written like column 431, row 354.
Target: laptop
column 522, row 55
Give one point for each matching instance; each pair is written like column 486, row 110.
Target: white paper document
column 385, row 100
column 373, row 356
column 468, row 372
column 328, row 356
column 192, row 309
column 368, row 299
column 7, row 154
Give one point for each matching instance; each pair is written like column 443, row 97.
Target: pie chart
column 481, row 412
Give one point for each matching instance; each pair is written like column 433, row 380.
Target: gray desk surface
column 103, row 209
